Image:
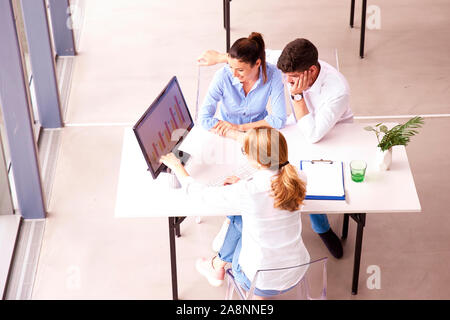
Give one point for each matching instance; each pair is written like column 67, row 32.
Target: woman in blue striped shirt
column 244, row 87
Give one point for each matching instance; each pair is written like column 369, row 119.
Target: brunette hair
column 249, row 50
column 269, row 148
column 298, row 56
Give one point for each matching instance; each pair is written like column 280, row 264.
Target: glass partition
column 6, row 204
column 21, row 33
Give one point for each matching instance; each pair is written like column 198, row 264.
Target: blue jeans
column 319, row 223
column 230, row 252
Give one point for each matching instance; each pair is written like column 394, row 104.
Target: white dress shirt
column 327, row 100
column 271, row 238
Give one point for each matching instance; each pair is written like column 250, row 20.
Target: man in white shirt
column 320, row 97
column 320, row 94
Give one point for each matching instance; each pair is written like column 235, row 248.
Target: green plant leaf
column 400, row 134
column 384, row 129
column 369, row 128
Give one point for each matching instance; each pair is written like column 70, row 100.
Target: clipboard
column 325, row 179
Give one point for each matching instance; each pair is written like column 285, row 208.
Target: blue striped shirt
column 237, row 108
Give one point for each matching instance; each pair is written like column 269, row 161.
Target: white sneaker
column 205, row 268
column 220, row 237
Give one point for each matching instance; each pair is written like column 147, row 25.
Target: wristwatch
column 297, row 97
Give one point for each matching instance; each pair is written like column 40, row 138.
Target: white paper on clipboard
column 325, row 179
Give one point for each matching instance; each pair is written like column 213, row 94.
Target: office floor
column 129, row 49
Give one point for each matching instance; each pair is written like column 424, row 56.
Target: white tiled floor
column 130, row 49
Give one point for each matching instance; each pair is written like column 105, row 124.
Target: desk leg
column 173, row 257
column 174, row 230
column 360, row 219
column 345, row 226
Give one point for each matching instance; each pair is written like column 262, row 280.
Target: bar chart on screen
column 177, row 114
column 163, row 126
column 173, row 120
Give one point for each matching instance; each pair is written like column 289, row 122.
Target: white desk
column 212, row 156
column 139, row 195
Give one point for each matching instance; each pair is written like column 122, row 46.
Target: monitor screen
column 163, row 126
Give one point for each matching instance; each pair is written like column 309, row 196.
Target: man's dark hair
column 298, row 55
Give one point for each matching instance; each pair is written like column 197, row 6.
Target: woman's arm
column 230, row 130
column 252, row 125
column 222, row 127
column 314, row 128
column 236, row 135
column 211, row 57
column 174, row 164
column 227, row 198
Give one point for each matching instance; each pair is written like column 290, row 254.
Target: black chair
column 363, row 23
column 226, row 23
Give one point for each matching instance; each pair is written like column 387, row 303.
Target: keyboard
column 244, row 172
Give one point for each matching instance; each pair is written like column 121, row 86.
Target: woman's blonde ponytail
column 288, row 189
column 268, row 147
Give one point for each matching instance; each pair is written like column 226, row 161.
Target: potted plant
column 397, row 136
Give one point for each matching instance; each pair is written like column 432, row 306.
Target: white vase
column 384, row 159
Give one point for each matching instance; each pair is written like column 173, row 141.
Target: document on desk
column 325, row 179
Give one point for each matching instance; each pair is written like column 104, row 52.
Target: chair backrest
column 311, row 286
column 204, row 77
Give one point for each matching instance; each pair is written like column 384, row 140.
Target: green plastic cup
column 358, row 170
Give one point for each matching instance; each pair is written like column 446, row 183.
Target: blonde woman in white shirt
column 269, row 234
column 320, row 99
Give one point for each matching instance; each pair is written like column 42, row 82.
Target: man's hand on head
column 302, row 83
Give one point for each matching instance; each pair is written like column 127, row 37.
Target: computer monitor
column 163, row 126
